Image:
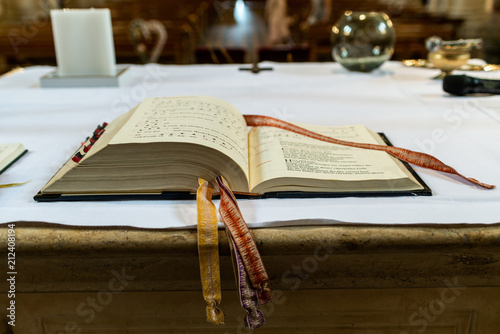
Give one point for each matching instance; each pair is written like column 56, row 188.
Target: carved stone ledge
column 54, row 258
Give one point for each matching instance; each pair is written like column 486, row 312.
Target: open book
column 163, row 145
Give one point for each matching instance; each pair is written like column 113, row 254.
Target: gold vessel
column 450, row 55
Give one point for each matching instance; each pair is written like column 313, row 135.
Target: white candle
column 83, row 40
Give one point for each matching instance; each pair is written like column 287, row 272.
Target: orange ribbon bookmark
column 208, row 252
column 416, row 158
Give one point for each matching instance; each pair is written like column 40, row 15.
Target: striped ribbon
column 233, row 219
column 249, row 297
column 208, row 252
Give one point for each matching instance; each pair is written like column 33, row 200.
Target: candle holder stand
column 54, row 80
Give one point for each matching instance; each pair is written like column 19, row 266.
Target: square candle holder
column 54, row 80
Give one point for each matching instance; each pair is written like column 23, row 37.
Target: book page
column 276, row 153
column 199, row 120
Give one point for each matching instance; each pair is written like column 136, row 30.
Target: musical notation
column 197, row 120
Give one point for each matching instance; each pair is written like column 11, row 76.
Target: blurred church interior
column 238, row 31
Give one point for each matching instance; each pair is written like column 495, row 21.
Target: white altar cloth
column 404, row 103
